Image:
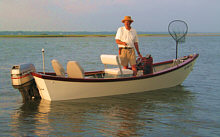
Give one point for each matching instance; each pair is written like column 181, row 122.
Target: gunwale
column 51, row 76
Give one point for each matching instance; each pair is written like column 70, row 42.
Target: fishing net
column 178, row 30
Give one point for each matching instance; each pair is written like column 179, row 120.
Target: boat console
column 116, row 72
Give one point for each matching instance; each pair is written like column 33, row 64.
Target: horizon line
column 93, row 31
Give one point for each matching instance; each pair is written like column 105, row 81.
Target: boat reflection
column 31, row 119
column 124, row 115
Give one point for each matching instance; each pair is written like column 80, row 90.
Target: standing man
column 127, row 41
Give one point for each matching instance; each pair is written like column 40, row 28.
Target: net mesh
column 178, row 30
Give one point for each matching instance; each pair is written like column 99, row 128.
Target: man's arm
column 120, row 42
column 118, row 37
column 137, row 49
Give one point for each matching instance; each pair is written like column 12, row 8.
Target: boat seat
column 114, row 60
column 58, row 68
column 74, row 70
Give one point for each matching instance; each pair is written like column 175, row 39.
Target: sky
column 106, row 15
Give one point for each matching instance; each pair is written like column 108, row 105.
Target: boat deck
column 157, row 67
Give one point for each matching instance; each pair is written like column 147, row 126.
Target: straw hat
column 127, row 18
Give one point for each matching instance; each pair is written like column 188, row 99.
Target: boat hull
column 55, row 89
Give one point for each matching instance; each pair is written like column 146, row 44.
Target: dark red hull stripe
column 21, row 76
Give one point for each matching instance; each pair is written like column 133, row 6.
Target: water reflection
column 31, row 119
column 124, row 115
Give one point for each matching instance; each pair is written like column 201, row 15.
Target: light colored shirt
column 128, row 36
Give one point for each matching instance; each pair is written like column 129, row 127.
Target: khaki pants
column 127, row 56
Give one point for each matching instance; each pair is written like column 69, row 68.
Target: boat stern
column 23, row 80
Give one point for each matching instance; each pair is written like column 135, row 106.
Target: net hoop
column 178, row 34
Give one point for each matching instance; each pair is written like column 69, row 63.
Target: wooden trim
column 49, row 77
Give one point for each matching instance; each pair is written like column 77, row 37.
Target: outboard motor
column 23, row 81
column 145, row 64
column 21, row 74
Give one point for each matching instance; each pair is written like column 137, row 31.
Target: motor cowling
column 21, row 74
column 145, row 64
column 23, row 81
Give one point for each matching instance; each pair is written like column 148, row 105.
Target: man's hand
column 125, row 44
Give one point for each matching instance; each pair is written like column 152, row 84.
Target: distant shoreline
column 102, row 35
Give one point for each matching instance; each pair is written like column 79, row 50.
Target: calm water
column 192, row 109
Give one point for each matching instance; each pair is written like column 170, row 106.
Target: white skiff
column 95, row 84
